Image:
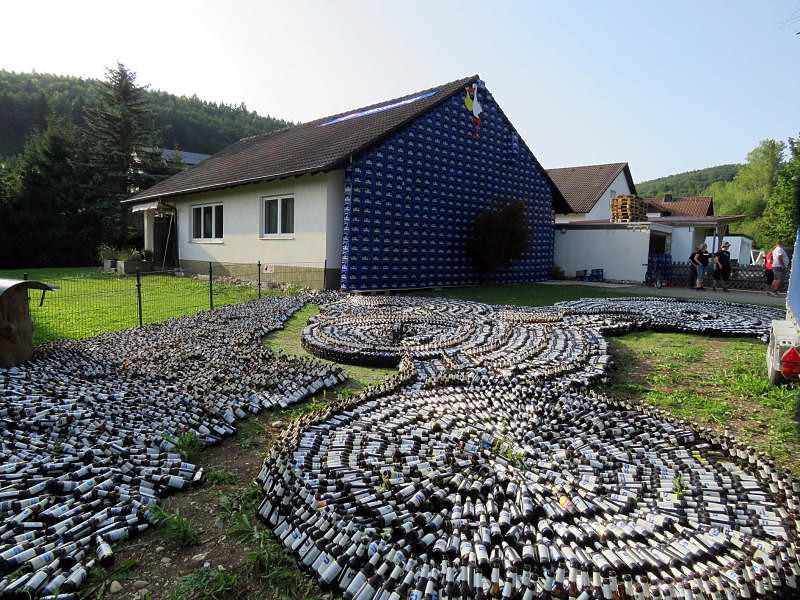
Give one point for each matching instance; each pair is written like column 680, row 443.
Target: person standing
column 700, row 260
column 722, row 268
column 768, row 274
column 693, row 268
column 780, row 264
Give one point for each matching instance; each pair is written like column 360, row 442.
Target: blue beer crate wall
column 411, row 200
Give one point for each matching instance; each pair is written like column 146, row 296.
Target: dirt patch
column 156, row 564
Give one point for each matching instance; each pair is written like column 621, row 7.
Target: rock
column 206, row 565
column 166, row 560
column 160, row 548
column 200, row 557
column 277, row 424
column 115, row 587
column 140, row 584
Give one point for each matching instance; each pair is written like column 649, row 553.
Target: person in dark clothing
column 722, row 267
column 693, row 268
column 700, row 260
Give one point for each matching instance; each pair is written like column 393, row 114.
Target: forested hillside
column 190, row 124
column 765, row 190
column 691, row 183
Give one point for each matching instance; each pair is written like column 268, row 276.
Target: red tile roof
column 582, row 187
column 682, row 206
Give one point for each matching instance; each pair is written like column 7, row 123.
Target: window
column 278, row 217
column 207, row 222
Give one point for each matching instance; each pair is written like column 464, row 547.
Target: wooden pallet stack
column 627, row 209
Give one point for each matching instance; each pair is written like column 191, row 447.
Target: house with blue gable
column 378, row 198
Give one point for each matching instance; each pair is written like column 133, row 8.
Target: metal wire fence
column 97, row 302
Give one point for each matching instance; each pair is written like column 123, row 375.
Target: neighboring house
column 588, row 190
column 674, row 227
column 741, row 247
column 377, row 198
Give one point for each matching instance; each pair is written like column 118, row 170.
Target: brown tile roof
column 306, row 148
column 681, row 206
column 582, row 187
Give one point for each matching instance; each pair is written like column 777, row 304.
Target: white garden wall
column 621, row 251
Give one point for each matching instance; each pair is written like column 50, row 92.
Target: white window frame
column 280, row 235
column 212, row 239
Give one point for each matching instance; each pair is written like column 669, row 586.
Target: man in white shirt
column 780, row 264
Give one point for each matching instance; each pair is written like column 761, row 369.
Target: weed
column 188, row 444
column 100, row 579
column 204, row 583
column 246, row 439
column 217, row 477
column 679, row 487
column 176, row 528
column 503, row 447
column 244, row 500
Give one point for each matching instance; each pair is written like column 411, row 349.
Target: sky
column 664, row 86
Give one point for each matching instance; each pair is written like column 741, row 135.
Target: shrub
column 498, row 237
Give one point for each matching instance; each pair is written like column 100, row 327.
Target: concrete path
column 743, row 296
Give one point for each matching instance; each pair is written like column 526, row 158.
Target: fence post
column 139, row 294
column 259, row 280
column 210, row 287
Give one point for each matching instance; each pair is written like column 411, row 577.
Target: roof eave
column 248, row 181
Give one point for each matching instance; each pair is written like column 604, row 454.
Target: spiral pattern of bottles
column 487, row 467
column 90, row 432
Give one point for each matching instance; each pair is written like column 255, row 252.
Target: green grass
column 523, row 294
column 89, row 302
column 274, row 568
column 288, row 341
column 204, row 583
column 219, row 477
column 717, row 382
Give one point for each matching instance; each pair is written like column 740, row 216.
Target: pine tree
column 119, row 127
column 47, row 220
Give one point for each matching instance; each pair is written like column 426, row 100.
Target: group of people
column 776, row 266
column 700, row 259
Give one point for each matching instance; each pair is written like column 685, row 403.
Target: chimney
column 667, row 198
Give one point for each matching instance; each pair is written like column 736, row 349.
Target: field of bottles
column 489, row 468
column 90, row 432
column 486, row 467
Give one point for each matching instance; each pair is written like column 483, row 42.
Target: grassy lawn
column 523, row 294
column 717, row 382
column 287, row 341
column 89, row 302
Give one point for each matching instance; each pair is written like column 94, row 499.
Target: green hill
column 691, row 183
column 190, row 124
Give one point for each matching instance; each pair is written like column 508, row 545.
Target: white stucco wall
column 318, row 201
column 601, row 210
column 620, row 251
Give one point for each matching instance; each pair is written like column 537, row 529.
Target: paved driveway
column 745, row 296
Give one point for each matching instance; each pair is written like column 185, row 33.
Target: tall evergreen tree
column 47, row 220
column 119, row 127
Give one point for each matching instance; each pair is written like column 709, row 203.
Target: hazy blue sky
column 666, row 86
